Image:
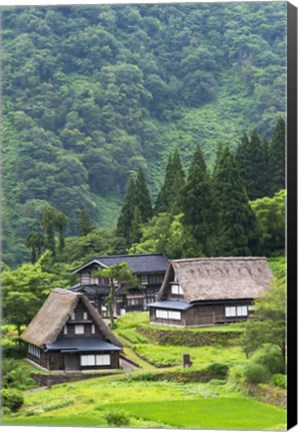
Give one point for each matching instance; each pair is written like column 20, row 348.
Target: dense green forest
column 96, row 95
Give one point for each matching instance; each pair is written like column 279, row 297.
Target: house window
column 73, row 316
column 165, row 314
column 65, row 329
column 79, row 329
column 174, row 315
column 94, row 280
column 161, row 314
column 233, row 311
column 96, row 360
column 34, row 351
column 103, row 360
column 135, row 301
column 144, row 279
column 156, row 279
column 93, row 329
column 85, row 315
column 241, row 310
column 87, row 360
column 176, row 289
column 85, row 278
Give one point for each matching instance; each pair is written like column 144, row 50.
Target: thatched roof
column 203, row 279
column 49, row 321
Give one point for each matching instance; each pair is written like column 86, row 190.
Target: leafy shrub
column 279, row 380
column 12, row 399
column 6, row 410
column 270, row 357
column 15, row 375
column 255, row 373
column 218, row 370
column 117, row 418
column 13, row 349
column 147, row 376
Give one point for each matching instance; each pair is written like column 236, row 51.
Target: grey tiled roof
column 91, row 289
column 171, row 304
column 143, row 263
column 79, row 344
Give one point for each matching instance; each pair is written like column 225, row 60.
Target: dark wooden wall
column 200, row 315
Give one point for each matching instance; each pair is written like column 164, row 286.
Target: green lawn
column 149, row 404
column 172, row 355
column 229, row 413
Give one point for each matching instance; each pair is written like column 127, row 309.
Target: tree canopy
column 93, row 93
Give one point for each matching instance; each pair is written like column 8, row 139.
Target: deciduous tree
column 120, row 276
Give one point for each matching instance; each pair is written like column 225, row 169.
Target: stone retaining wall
column 189, row 338
column 44, row 380
column 269, row 394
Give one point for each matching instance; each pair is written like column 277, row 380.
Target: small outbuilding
column 68, row 334
column 207, row 291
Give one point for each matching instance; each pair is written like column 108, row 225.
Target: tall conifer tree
column 266, row 173
column 198, row 160
column 126, row 214
column 238, row 232
column 197, row 204
column 135, row 233
column 85, row 224
column 277, row 157
column 143, row 200
column 250, row 158
column 173, row 182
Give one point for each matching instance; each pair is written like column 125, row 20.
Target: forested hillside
column 93, row 93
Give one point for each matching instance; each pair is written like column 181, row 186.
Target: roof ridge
column 220, row 259
column 64, row 291
column 128, row 255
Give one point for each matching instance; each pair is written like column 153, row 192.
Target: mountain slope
column 92, row 93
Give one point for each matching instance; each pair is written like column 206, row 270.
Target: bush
column 13, row 350
column 255, row 373
column 236, row 373
column 270, row 357
column 279, row 380
column 147, row 376
column 16, row 375
column 12, row 399
column 218, row 370
column 117, row 418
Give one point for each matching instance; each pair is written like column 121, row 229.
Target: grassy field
column 152, row 404
column 200, row 356
column 163, row 404
column 164, row 356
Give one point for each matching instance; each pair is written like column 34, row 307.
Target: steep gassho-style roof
column 227, row 278
column 143, row 263
column 49, row 321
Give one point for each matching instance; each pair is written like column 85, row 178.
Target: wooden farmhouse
column 208, row 291
column 67, row 334
column 149, row 268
